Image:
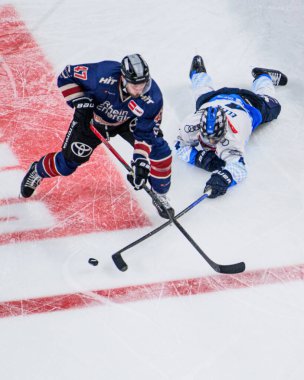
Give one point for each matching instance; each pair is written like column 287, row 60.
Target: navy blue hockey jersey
column 102, row 82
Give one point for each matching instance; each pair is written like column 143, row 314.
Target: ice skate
column 30, row 182
column 277, row 77
column 163, row 200
column 197, row 66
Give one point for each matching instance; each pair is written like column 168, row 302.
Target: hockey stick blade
column 224, row 269
column 119, row 262
column 231, row 268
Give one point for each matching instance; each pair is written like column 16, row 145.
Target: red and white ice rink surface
column 169, row 316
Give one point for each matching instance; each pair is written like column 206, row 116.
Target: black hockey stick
column 232, row 268
column 228, row 269
column 117, row 258
column 225, row 269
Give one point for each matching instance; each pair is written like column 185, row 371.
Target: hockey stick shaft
column 111, row 149
column 233, row 268
column 162, row 226
column 228, row 269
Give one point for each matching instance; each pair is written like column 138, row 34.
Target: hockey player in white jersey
column 215, row 136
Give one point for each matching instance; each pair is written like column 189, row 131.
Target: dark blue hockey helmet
column 135, row 69
column 213, row 123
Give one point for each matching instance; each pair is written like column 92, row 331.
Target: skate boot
column 31, row 181
column 197, row 66
column 163, row 200
column 277, row 77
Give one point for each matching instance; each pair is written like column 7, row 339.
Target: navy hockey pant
column 269, row 107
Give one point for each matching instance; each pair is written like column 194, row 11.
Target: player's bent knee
column 271, row 109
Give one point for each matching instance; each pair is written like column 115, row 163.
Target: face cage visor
column 210, row 123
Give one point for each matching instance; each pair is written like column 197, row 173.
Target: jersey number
column 81, row 72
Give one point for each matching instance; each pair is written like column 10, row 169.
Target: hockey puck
column 93, row 261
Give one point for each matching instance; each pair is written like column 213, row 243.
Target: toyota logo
column 80, row 149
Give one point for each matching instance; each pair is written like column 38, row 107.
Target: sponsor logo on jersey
column 235, row 152
column 225, row 142
column 147, row 99
column 107, row 109
column 108, row 80
column 134, row 107
column 191, row 128
column 80, row 149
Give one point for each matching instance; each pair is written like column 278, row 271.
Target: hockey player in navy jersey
column 214, row 137
column 116, row 99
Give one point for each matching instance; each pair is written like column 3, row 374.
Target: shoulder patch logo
column 134, row 107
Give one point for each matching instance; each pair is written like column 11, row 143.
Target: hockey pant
column 80, row 142
column 261, row 97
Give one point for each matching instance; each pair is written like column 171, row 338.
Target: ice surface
column 187, row 323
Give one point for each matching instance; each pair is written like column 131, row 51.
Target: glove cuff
column 225, row 175
column 84, row 102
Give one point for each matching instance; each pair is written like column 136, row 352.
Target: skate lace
column 275, row 78
column 33, row 180
column 164, row 201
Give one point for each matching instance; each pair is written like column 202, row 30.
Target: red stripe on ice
column 167, row 289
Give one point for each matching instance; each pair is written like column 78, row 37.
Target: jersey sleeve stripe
column 71, row 91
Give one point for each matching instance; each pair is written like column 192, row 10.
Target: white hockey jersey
column 232, row 148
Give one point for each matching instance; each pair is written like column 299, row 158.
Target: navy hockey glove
column 141, row 169
column 208, row 160
column 218, row 183
column 83, row 110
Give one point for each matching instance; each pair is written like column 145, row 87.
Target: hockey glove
column 141, row 168
column 83, row 110
column 208, row 160
column 218, row 183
